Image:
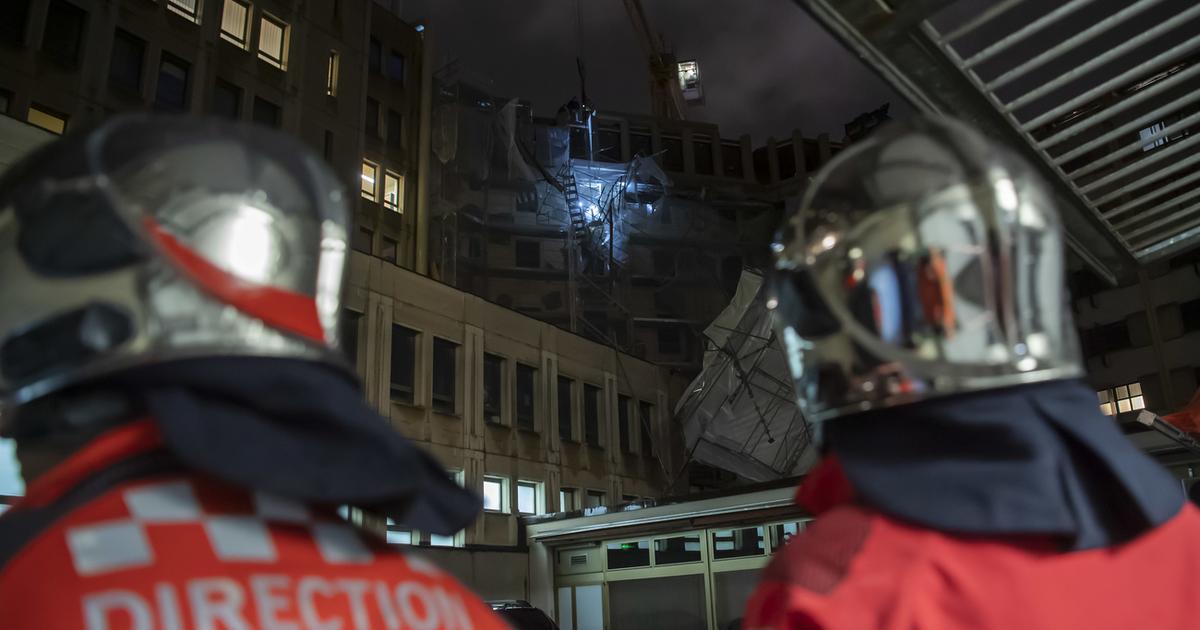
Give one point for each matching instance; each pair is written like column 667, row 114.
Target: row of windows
column 1121, row 399
column 497, row 389
column 603, row 144
column 273, row 33
column 392, row 186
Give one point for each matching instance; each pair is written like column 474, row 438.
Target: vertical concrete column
column 689, row 151
column 626, row 146
column 541, row 577
column 823, row 148
column 550, row 404
column 377, row 375
column 659, row 430
column 1146, row 288
column 611, row 430
column 472, row 409
column 772, row 160
column 425, row 150
column 747, row 158
column 798, row 150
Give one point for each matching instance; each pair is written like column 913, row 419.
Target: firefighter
column 969, row 478
column 170, row 291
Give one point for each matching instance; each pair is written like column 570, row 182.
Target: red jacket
column 855, row 568
column 174, row 550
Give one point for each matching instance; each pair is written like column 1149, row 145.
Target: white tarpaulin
column 740, row 413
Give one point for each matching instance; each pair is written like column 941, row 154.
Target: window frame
column 229, row 86
column 386, row 242
column 1122, row 399
column 624, row 412
column 645, row 419
column 505, row 503
column 244, row 42
column 533, row 384
column 569, row 408
column 396, row 206
column 332, row 70
column 441, row 403
column 177, row 7
column 129, row 38
column 590, row 493
column 373, row 181
column 408, row 392
column 593, row 439
column 284, row 35
column 539, row 497
column 275, row 107
column 387, row 67
column 168, row 58
column 527, row 243
column 571, row 492
column 501, row 364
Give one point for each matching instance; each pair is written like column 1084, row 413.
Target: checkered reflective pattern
column 240, row 530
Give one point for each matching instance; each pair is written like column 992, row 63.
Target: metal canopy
column 1103, row 95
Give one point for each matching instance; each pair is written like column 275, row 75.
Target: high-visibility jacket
column 856, row 568
column 120, row 537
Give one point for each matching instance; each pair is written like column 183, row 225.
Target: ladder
column 578, row 222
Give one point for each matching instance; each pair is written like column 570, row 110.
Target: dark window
column 677, row 550
column 668, row 339
column 626, row 555
column 608, row 144
column 125, row 65
column 591, row 414
column 703, row 151
column 580, row 149
column 349, row 336
column 812, row 156
column 731, row 272
column 444, row 369
column 389, row 249
column 395, row 129
column 5, row 101
column 762, row 168
column 645, row 418
column 327, row 146
column 565, row 387
column 531, row 618
column 493, row 387
column 640, row 142
column 371, row 119
column 525, row 391
column 363, row 239
column 787, row 161
column 731, row 160
column 267, row 113
column 737, row 543
column 1102, row 340
column 395, row 67
column 173, row 77
column 375, row 56
column 227, row 100
column 623, row 422
column 1189, row 312
column 664, row 262
column 404, row 363
column 672, row 157
column 14, row 15
column 64, row 32
column 529, row 254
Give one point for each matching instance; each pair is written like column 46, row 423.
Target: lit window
column 393, row 191
column 494, row 494
column 529, row 500
column 186, row 8
column 1150, row 131
column 331, row 74
column 397, row 536
column 689, row 75
column 566, row 500
column 234, row 20
column 272, row 41
column 1121, row 399
column 370, row 173
column 41, row 117
column 438, row 540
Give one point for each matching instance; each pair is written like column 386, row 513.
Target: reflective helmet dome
column 923, row 261
column 152, row 239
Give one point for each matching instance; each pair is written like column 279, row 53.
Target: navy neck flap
column 1037, row 459
column 300, row 430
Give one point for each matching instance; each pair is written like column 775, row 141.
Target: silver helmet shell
column 153, row 239
column 923, row 261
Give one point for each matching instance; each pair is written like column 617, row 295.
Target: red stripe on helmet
column 279, row 308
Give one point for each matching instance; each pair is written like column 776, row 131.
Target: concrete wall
column 491, row 574
column 17, row 139
column 386, row 294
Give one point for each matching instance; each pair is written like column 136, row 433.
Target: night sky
column 767, row 67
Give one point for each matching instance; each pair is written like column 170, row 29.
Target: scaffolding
column 739, row 414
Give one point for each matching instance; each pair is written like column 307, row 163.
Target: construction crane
column 666, row 97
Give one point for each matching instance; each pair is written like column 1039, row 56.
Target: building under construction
column 632, row 230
